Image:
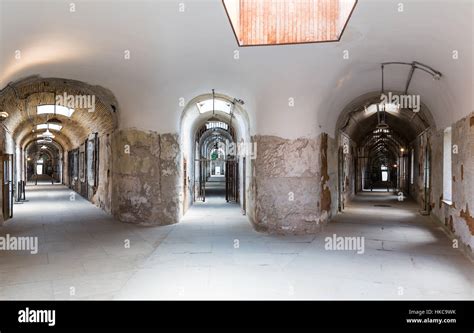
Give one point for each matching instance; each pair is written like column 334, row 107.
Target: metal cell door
column 232, row 181
column 200, row 177
column 7, row 186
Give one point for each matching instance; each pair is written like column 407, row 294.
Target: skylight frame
column 49, row 109
column 240, row 44
column 42, row 136
column 53, row 127
column 222, row 105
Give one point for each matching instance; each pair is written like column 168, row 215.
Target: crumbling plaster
column 294, row 183
column 457, row 218
column 145, row 177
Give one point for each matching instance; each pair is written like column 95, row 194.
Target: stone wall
column 427, row 138
column 457, row 218
column 145, row 177
column 294, row 190
column 103, row 194
column 348, row 182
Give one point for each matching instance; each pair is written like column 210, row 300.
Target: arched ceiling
column 21, row 98
column 34, row 150
column 177, row 55
column 359, row 119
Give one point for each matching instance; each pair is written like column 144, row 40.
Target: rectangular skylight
column 54, row 127
column 61, row 110
column 272, row 22
column 41, row 136
column 219, row 124
column 219, row 105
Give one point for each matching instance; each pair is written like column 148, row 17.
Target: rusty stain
column 471, row 121
column 325, row 192
column 324, row 158
column 454, row 178
column 466, row 215
column 326, row 200
column 462, row 171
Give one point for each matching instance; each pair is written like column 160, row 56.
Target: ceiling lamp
column 47, row 134
column 273, row 22
column 3, row 115
column 44, row 147
column 54, row 121
column 381, row 124
column 213, row 103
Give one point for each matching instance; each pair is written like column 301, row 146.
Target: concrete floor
column 215, row 254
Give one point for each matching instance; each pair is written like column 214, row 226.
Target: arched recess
column 33, row 151
column 193, row 134
column 372, row 142
column 80, row 119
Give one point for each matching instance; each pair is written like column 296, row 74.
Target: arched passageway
column 57, row 131
column 376, row 148
column 43, row 162
column 215, row 138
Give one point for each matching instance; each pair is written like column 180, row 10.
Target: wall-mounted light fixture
column 3, row 115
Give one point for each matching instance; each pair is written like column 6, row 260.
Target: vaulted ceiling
column 181, row 54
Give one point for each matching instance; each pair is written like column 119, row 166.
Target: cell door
column 341, row 177
column 426, row 179
column 7, row 186
column 232, row 181
column 244, row 187
column 200, row 177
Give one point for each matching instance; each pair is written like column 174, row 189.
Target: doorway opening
column 216, row 173
column 43, row 138
column 376, row 150
column 215, row 137
column 43, row 162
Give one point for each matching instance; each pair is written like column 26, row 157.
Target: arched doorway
column 215, row 141
column 215, row 175
column 43, row 162
column 48, row 120
column 377, row 149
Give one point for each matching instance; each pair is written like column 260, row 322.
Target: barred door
column 232, row 181
column 200, row 177
column 7, row 186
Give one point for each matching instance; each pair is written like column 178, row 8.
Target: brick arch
column 20, row 99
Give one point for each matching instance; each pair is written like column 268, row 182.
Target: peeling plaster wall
column 102, row 196
column 348, row 181
column 294, row 184
column 7, row 146
column 145, row 177
column 416, row 189
column 457, row 218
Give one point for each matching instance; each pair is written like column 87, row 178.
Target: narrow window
column 384, row 170
column 412, row 167
column 39, row 167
